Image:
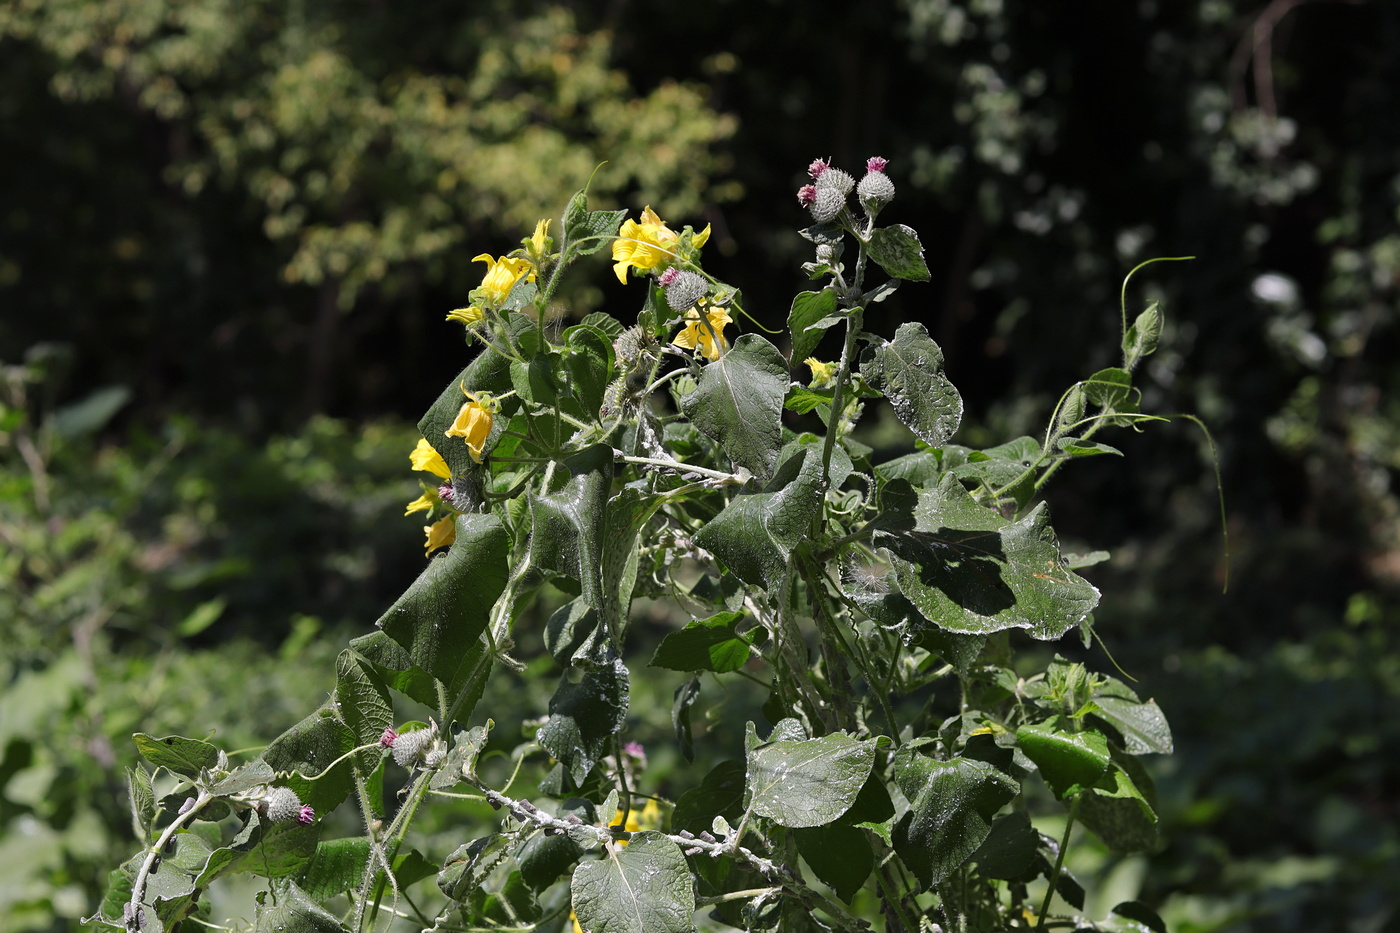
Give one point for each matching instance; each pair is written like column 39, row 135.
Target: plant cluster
column 875, row 605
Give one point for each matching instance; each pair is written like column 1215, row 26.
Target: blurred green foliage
column 243, row 213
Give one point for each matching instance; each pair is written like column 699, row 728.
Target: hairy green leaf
column 909, row 372
column 951, row 804
column 807, row 309
column 739, row 403
column 292, row 910
column 839, row 855
column 177, row 753
column 644, row 887
column 440, row 617
column 898, row 251
column 969, row 570
column 810, row 782
column 705, row 645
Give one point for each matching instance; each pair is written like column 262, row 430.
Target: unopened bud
column 409, row 746
column 282, row 805
column 835, row 178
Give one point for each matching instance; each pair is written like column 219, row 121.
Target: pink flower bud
column 387, row 739
column 668, row 277
column 307, row 816
column 806, row 195
column 817, row 167
column 876, row 164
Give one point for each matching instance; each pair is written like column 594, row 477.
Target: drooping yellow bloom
column 424, row 457
column 709, row 339
column 823, row 374
column 468, row 315
column 440, row 533
column 648, row 817
column 424, row 503
column 646, row 245
column 501, row 276
column 473, row 425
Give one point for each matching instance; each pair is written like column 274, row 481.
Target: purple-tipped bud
column 875, row 191
column 806, row 195
column 446, row 492
column 282, row 805
column 667, row 277
column 307, row 816
column 386, row 740
column 876, row 164
column 817, row 167
column 410, row 746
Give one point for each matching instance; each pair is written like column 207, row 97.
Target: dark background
column 232, row 232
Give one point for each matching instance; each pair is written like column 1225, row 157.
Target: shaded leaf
column 969, row 570
column 177, row 753
column 756, row 533
column 705, row 645
column 1010, row 848
column 720, row 794
column 308, row 747
column 839, row 855
column 440, row 617
column 807, row 309
column 909, row 372
column 364, row 704
column 951, row 804
column 739, row 403
column 584, row 716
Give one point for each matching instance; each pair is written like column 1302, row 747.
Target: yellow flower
column 823, row 374
column 501, row 276
column 648, row 817
column 540, row 242
column 440, row 533
column 646, row 245
column 709, row 339
column 468, row 315
column 473, row 425
column 424, row 457
column 424, row 503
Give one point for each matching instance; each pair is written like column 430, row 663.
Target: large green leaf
column 909, row 372
column 1120, row 810
column 809, row 782
column 589, row 362
column 440, row 617
column 584, row 716
column 177, row 753
column 808, row 309
column 567, row 525
column 291, row 910
column 1010, row 848
column 1142, row 724
column 756, row 533
column 739, row 403
column 705, row 645
column 969, row 570
column 898, row 251
column 308, row 748
column 644, row 887
column 839, row 855
column 364, row 704
column 1069, row 761
column 951, row 805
